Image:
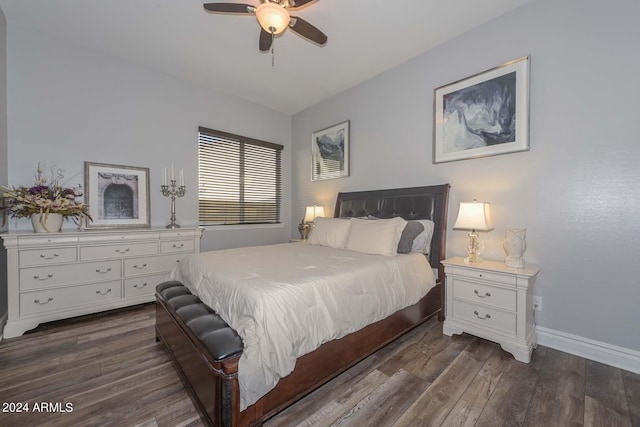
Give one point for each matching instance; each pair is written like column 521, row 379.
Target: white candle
column 164, row 176
column 173, row 177
column 182, row 177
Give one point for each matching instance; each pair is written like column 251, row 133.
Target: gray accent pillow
column 410, row 232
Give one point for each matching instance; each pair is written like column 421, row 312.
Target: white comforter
column 286, row 300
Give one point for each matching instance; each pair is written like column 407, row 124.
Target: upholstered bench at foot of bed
column 203, row 346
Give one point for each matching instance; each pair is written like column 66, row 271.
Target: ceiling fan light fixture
column 272, row 17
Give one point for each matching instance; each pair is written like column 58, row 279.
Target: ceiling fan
column 274, row 18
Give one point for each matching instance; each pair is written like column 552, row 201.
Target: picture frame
column 117, row 196
column 330, row 152
column 483, row 115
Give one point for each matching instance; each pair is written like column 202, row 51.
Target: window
column 239, row 179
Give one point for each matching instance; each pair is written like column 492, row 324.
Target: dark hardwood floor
column 108, row 370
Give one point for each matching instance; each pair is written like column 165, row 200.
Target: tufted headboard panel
column 409, row 203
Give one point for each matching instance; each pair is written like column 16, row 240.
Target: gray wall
column 576, row 191
column 4, row 162
column 69, row 105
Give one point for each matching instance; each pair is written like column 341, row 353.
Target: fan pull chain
column 273, row 55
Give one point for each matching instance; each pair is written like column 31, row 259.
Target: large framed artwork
column 483, row 115
column 118, row 196
column 330, row 152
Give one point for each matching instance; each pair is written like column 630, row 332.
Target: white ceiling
column 178, row 37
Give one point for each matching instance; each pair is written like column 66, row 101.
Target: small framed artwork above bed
column 247, row 345
column 330, row 152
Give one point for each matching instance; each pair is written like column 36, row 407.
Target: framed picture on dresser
column 118, row 196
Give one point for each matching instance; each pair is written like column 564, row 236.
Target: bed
column 209, row 362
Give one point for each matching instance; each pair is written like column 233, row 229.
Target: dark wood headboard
column 409, row 203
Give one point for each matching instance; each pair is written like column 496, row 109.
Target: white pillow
column 330, row 232
column 378, row 237
column 422, row 243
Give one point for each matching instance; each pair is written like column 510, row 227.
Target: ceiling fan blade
column 307, row 30
column 229, row 7
column 298, row 3
column 265, row 40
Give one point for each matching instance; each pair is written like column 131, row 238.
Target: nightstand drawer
column 479, row 274
column 478, row 293
column 485, row 316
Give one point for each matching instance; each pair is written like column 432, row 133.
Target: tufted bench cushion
column 206, row 325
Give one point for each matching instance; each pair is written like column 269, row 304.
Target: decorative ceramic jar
column 514, row 245
column 46, row 223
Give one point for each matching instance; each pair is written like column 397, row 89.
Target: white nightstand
column 492, row 301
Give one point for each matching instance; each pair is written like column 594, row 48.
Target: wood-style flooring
column 111, row 372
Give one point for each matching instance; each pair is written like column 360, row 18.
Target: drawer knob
column 486, row 294
column 486, row 316
column 37, row 277
column 137, row 286
column 98, row 270
column 103, row 292
column 122, row 251
column 37, row 301
column 43, row 256
column 140, row 267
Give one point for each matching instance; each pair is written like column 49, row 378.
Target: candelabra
column 175, row 191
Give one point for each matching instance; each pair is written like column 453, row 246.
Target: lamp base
column 304, row 229
column 473, row 247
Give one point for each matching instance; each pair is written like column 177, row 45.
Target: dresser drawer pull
column 118, row 251
column 486, row 294
column 43, row 256
column 180, row 246
column 103, row 271
column 486, row 316
column 37, row 277
column 137, row 286
column 140, row 267
column 37, row 301
column 103, row 292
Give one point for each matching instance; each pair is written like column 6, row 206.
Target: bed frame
column 209, row 370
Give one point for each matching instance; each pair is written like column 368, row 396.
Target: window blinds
column 239, row 179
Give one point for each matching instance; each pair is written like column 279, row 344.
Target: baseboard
column 3, row 322
column 620, row 357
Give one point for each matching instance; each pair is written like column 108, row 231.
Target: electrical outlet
column 537, row 303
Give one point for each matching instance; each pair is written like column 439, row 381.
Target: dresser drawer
column 151, row 265
column 180, row 234
column 507, row 279
column 47, row 256
column 118, row 251
column 476, row 292
column 121, row 237
column 56, row 299
column 48, row 239
column 56, row 275
column 485, row 316
column 143, row 285
column 177, row 246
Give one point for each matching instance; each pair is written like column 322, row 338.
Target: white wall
column 69, row 105
column 577, row 191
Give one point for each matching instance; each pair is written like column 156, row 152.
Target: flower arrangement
column 45, row 197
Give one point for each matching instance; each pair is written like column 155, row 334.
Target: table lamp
column 311, row 213
column 474, row 216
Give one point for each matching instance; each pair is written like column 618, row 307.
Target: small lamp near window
column 474, row 216
column 311, row 213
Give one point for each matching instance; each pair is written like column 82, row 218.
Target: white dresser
column 492, row 301
column 54, row 276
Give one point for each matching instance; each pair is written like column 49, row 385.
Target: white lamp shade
column 312, row 212
column 474, row 216
column 272, row 17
